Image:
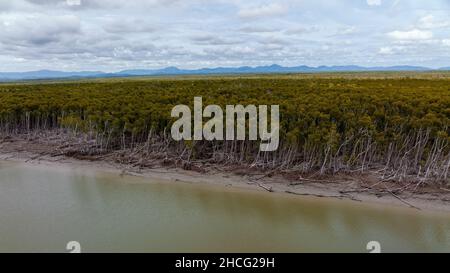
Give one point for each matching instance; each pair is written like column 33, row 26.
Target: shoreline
column 338, row 189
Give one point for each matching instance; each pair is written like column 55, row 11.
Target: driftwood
column 341, row 197
column 159, row 151
column 401, row 200
column 269, row 189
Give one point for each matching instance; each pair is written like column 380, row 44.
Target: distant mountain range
column 49, row 74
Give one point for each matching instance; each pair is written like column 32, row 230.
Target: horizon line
column 225, row 67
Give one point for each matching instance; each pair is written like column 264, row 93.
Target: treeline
column 399, row 127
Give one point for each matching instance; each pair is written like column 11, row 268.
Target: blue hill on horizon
column 53, row 74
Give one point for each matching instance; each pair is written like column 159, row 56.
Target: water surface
column 42, row 208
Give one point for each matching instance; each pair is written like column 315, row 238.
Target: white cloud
column 255, row 29
column 102, row 4
column 300, row 29
column 73, row 2
column 386, row 51
column 128, row 26
column 415, row 34
column 115, row 34
column 37, row 29
column 347, row 30
column 430, row 22
column 210, row 39
column 262, row 11
column 374, row 2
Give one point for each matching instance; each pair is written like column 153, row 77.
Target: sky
column 114, row 35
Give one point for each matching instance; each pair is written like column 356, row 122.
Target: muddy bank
column 359, row 187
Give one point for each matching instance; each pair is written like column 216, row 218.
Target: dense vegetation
column 399, row 126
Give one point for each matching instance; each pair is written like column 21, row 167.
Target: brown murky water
column 42, row 208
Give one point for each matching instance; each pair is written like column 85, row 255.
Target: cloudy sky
column 111, row 35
